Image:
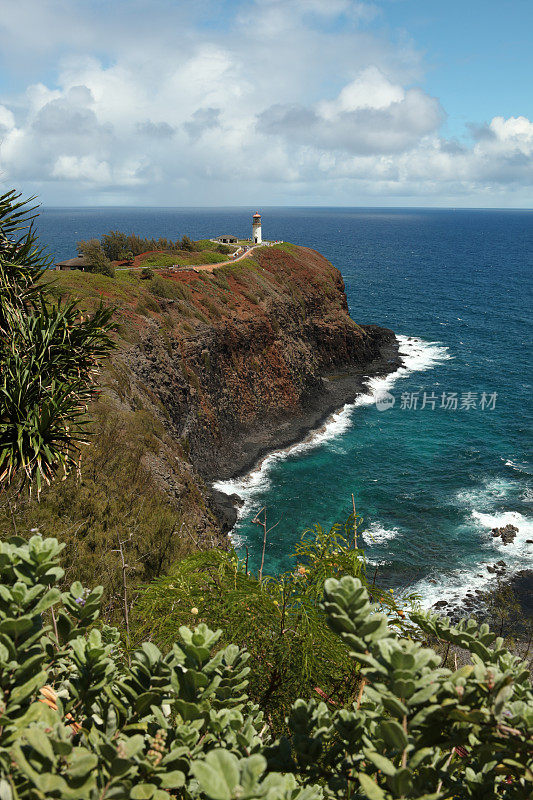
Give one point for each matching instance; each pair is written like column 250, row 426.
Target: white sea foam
column 499, row 520
column 377, row 533
column 416, row 355
column 517, row 467
column 527, row 495
column 454, row 586
column 257, row 480
column 485, row 496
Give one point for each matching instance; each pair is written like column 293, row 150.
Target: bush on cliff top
column 96, row 257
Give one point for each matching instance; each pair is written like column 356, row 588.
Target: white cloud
column 85, row 168
column 371, row 89
column 370, row 115
column 7, row 119
column 292, row 99
column 515, row 131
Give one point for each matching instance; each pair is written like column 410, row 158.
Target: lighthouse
column 256, row 229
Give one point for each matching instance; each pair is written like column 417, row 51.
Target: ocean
column 444, row 455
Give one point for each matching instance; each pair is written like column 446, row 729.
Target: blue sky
column 326, row 102
column 478, row 54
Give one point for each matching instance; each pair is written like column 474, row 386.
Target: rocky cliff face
column 244, row 360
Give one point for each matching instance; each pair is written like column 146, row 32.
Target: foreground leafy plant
column 77, row 722
column 418, row 730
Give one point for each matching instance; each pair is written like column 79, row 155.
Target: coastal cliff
column 211, row 371
column 250, row 357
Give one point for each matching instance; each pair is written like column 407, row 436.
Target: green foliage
column 49, row 357
column 118, row 245
column 96, row 256
column 22, row 261
column 187, row 244
column 78, row 720
column 169, row 289
column 147, row 273
column 420, row 731
column 278, row 620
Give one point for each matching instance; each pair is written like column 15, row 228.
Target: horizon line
column 247, row 207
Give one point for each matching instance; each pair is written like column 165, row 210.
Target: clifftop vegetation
column 119, row 249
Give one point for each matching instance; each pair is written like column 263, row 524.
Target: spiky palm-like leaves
column 49, row 356
column 22, row 261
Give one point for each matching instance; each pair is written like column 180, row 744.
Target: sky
column 268, row 102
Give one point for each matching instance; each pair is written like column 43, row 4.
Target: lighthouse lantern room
column 256, row 229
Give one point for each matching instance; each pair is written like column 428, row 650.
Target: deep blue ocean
column 433, row 473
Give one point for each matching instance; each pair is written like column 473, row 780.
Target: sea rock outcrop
column 507, row 534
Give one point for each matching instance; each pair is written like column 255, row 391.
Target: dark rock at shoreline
column 507, row 533
column 225, row 506
column 522, row 586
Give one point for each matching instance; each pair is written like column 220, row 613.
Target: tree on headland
column 114, row 244
column 119, row 246
column 97, row 258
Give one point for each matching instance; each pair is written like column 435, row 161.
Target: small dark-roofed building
column 80, row 262
column 227, row 239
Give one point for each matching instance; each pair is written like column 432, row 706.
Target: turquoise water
column 429, row 482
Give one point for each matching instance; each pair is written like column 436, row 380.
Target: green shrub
column 187, row 244
column 95, row 255
column 169, row 289
column 277, row 619
column 118, row 245
column 147, row 273
column 81, row 720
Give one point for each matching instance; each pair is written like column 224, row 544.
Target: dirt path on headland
column 211, row 267
column 198, row 267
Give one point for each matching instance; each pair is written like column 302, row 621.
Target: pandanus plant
column 49, row 357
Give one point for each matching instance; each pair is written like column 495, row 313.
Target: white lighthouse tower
column 256, row 229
